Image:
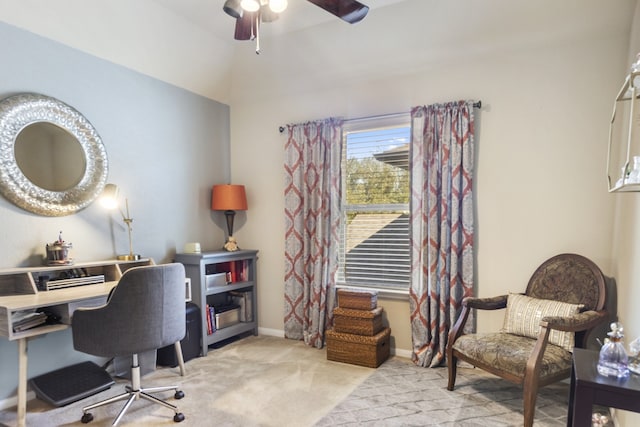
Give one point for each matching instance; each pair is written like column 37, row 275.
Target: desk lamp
column 109, row 200
column 229, row 198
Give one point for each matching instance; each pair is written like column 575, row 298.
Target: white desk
column 18, row 292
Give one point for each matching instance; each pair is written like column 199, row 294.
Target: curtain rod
column 382, row 116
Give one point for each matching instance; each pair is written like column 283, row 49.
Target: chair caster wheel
column 179, row 394
column 179, row 417
column 86, row 418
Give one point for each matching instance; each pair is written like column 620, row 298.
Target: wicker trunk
column 357, row 299
column 359, row 322
column 369, row 351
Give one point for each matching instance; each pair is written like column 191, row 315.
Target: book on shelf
column 23, row 321
column 211, row 319
column 244, row 299
column 209, row 332
column 245, row 271
column 236, row 271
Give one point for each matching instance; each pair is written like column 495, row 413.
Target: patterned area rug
column 399, row 393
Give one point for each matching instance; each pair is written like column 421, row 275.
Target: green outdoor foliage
column 370, row 181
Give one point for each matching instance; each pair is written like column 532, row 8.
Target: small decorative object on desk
column 613, row 361
column 58, row 252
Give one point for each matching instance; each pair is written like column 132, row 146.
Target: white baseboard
column 400, row 352
column 271, row 332
column 13, row 401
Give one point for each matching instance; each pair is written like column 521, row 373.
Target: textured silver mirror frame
column 19, row 111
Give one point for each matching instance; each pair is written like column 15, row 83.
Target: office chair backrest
column 146, row 311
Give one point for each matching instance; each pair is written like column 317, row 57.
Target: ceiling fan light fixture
column 254, row 12
column 266, row 14
column 277, row 6
column 250, row 5
column 232, row 8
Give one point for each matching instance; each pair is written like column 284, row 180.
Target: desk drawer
column 65, row 311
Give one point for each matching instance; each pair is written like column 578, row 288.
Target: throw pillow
column 524, row 313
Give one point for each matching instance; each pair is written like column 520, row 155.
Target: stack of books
column 234, row 271
column 211, row 319
column 23, row 321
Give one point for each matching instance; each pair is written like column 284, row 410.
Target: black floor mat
column 67, row 385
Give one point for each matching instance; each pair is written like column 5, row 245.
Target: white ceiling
column 189, row 43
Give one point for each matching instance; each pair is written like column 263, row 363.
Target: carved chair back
column 569, row 278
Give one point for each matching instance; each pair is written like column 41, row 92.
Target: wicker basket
column 359, row 349
column 357, row 299
column 359, row 322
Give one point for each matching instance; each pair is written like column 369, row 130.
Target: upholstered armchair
column 563, row 301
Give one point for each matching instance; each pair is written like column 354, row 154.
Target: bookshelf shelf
column 229, row 287
column 211, row 288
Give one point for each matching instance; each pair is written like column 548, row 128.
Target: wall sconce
column 229, row 198
column 109, row 200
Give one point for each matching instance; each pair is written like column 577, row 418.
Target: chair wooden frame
column 587, row 288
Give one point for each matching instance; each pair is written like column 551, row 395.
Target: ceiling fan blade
column 351, row 11
column 245, row 26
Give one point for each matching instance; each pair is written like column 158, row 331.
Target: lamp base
column 128, row 257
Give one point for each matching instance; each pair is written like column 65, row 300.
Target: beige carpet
column 256, row 381
column 268, row 381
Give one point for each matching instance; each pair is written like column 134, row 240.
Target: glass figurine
column 613, row 361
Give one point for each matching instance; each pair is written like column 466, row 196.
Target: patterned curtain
column 442, row 222
column 312, row 213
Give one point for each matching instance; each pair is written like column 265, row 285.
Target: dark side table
column 589, row 388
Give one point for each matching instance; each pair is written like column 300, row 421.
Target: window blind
column 374, row 248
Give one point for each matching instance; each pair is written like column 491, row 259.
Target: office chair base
column 135, row 392
column 132, row 395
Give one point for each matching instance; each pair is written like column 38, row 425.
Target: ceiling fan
column 249, row 14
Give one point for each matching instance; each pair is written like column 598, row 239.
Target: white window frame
column 360, row 125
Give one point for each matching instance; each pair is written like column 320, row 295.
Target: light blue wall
column 166, row 147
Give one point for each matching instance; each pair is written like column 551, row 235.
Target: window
column 374, row 249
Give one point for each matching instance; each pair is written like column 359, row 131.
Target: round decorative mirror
column 52, row 160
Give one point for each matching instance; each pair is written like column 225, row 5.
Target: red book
column 234, row 275
column 209, row 330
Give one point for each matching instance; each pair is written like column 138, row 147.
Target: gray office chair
column 146, row 311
